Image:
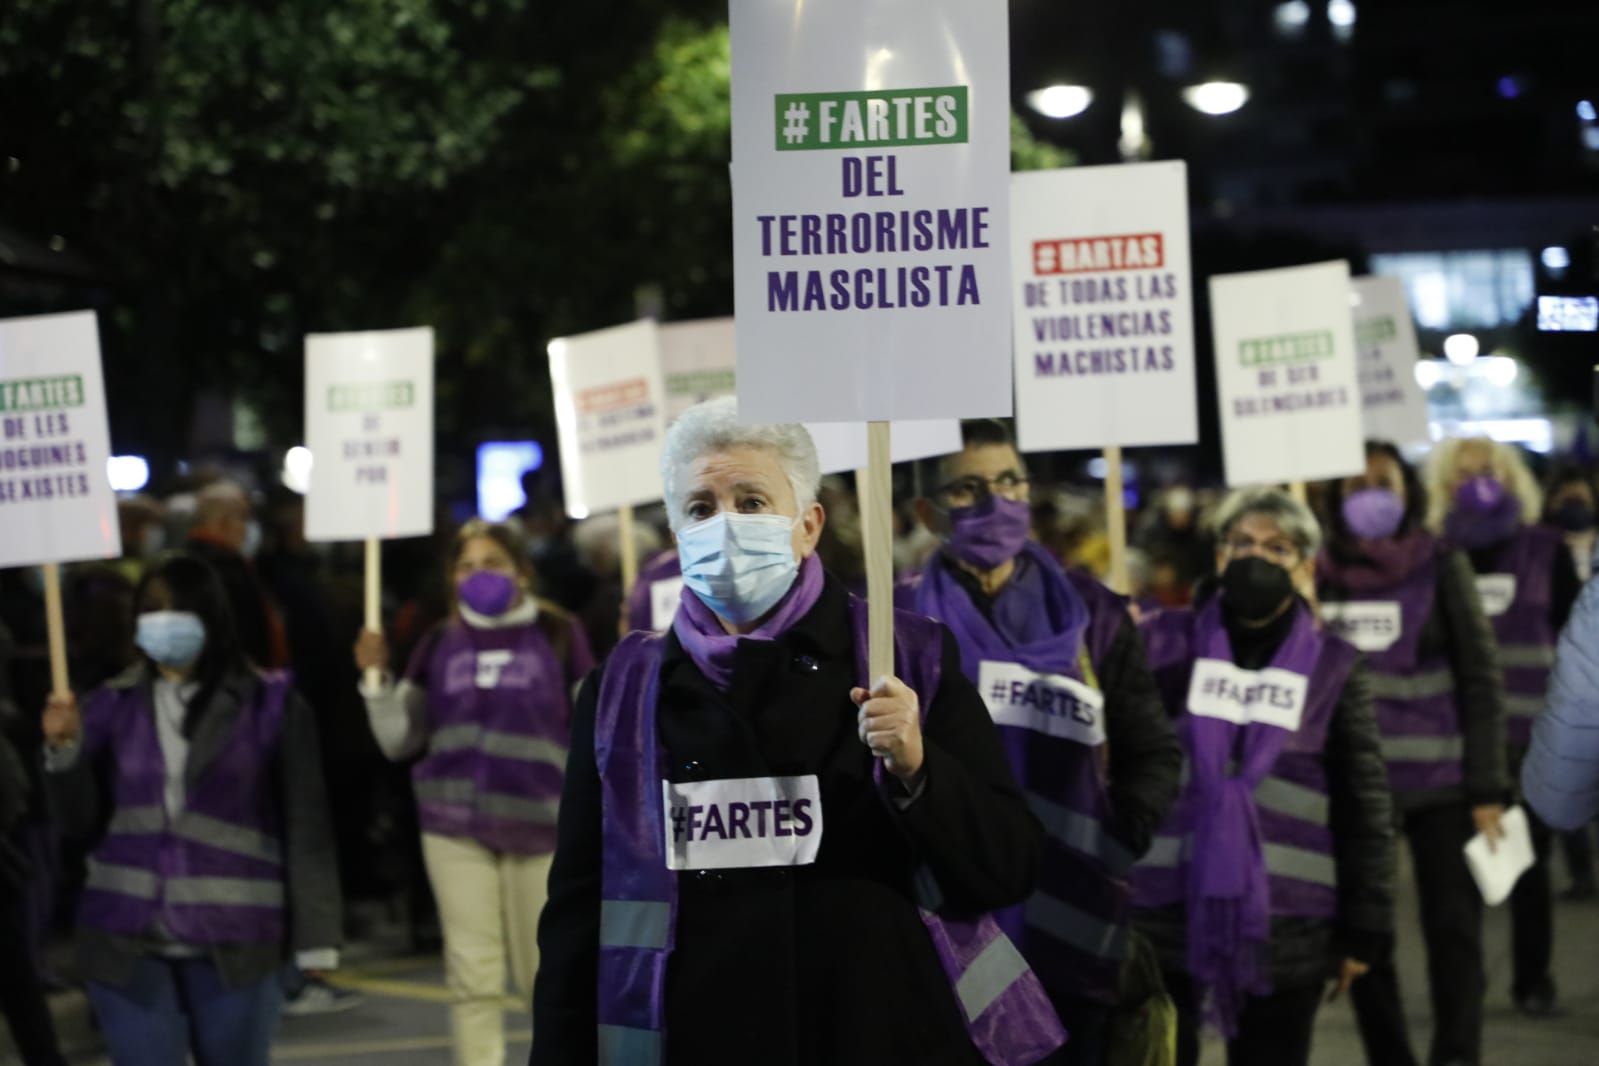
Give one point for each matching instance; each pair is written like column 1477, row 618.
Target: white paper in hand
column 1497, row 871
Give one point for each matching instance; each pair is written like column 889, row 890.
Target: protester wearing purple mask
column 484, row 702
column 1389, row 587
column 1062, row 669
column 1254, row 891
column 1487, row 503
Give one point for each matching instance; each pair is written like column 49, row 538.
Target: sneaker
column 319, row 997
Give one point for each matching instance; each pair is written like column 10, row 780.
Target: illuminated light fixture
column 127, row 473
column 1291, row 17
column 1460, row 348
column 1341, row 13
column 1098, row 468
column 1510, row 86
column 1555, row 257
column 297, row 469
column 1585, row 110
column 1216, row 97
column 1428, row 373
column 1060, row 101
column 1500, row 370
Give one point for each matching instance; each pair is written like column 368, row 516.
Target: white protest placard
column 697, row 363
column 369, row 428
column 609, row 417
column 56, row 500
column 1393, row 403
column 871, row 173
column 1103, row 303
column 841, row 446
column 1285, row 374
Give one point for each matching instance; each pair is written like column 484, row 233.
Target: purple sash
column 712, row 648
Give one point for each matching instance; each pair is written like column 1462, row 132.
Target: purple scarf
column 1229, row 903
column 712, row 648
column 1039, row 619
column 1377, row 564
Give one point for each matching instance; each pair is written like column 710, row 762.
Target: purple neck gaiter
column 487, row 592
column 713, row 648
column 988, row 534
column 1485, row 513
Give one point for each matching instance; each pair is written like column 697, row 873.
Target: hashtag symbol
column 678, row 817
column 796, row 122
column 1000, row 693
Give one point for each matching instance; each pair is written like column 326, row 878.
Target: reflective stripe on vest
column 226, row 891
column 623, row 1046
column 1165, row 853
column 463, row 792
column 123, row 880
column 1414, row 687
column 469, row 736
column 1526, row 656
column 1518, row 706
column 1292, row 799
column 631, row 923
column 137, row 820
column 987, row 977
column 1080, row 833
column 1424, row 749
column 1301, row 864
column 215, row 833
column 1075, row 927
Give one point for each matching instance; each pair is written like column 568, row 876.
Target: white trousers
column 489, row 906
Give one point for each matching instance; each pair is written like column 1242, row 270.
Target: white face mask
column 739, row 565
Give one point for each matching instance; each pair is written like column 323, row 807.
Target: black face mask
column 1573, row 516
column 1254, row 589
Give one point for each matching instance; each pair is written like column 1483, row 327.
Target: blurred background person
column 485, row 704
column 226, row 535
column 1410, row 603
column 1276, row 869
column 201, row 779
column 1484, row 499
column 1560, row 777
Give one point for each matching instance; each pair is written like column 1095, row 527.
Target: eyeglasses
column 1279, row 550
column 967, row 491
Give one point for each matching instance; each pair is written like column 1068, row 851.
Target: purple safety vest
column 499, row 728
column 640, row 610
column 1291, row 801
column 1526, row 637
column 1414, row 695
column 215, row 873
column 1006, row 1011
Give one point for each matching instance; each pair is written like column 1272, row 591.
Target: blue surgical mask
column 171, row 638
column 739, row 565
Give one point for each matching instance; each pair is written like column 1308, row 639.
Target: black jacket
column 84, row 797
column 1303, row 951
column 828, row 963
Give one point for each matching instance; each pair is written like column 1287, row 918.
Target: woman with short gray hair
column 1276, row 867
column 755, row 850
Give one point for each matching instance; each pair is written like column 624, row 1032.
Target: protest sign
column 56, row 501
column 1393, row 405
column 696, row 363
column 1285, row 374
column 1104, row 331
column 871, row 148
column 609, row 416
column 369, row 428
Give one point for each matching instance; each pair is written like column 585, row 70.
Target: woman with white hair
column 1275, row 870
column 1407, row 600
column 758, row 858
column 1485, row 501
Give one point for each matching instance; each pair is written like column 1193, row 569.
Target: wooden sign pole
column 374, row 602
column 624, row 529
column 874, row 486
column 56, row 627
column 1116, row 519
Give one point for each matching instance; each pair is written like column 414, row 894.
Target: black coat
column 828, row 963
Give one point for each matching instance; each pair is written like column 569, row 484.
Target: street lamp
column 1060, row 101
column 1216, row 97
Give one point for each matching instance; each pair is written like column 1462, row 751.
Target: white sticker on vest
column 1053, row 704
column 1370, row 625
column 742, row 822
column 1224, row 690
column 489, row 665
column 664, row 597
column 1497, row 592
